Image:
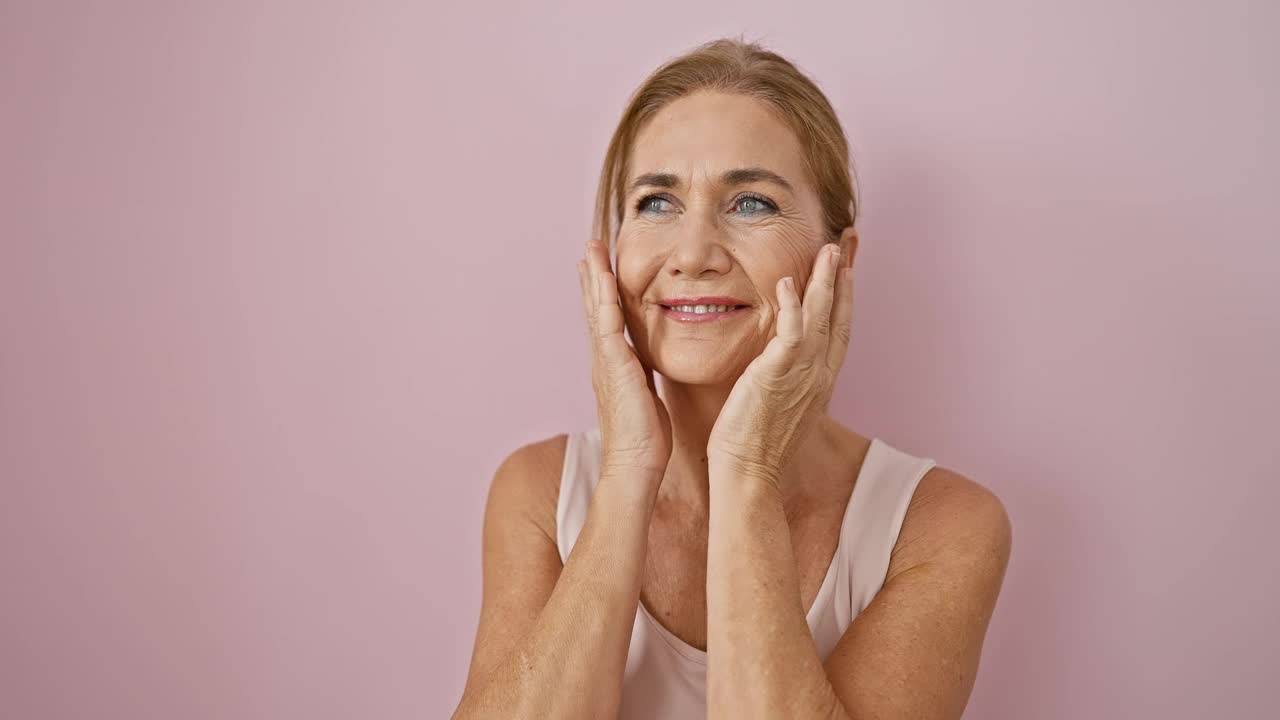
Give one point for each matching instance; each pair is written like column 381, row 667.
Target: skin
column 720, row 502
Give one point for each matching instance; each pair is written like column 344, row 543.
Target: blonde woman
column 725, row 548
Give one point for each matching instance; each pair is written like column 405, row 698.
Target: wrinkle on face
column 699, row 239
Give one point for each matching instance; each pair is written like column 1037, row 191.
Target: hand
column 635, row 429
column 787, row 388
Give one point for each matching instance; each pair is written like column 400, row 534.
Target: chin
column 699, row 368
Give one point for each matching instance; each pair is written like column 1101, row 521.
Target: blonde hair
column 744, row 68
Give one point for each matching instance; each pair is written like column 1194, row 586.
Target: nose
column 699, row 248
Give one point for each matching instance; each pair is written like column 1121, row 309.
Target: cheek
column 793, row 263
column 800, row 267
column 790, row 251
column 633, row 282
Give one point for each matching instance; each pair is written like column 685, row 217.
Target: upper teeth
column 703, row 308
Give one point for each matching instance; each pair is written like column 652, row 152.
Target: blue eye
column 761, row 203
column 758, row 200
column 642, row 205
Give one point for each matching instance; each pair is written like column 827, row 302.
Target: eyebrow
column 736, row 176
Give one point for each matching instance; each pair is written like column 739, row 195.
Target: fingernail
column 835, row 256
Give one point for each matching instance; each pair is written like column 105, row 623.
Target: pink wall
column 280, row 284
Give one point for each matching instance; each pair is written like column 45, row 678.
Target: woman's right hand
column 635, row 429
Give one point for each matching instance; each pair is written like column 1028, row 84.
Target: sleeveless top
column 665, row 677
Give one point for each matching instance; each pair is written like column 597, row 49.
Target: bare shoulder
column 952, row 517
column 914, row 650
column 526, row 484
column 536, row 463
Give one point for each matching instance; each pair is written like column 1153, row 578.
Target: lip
column 688, row 317
column 703, row 300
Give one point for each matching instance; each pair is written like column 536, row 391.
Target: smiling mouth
column 704, row 308
column 702, row 313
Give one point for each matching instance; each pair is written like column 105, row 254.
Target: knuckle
column 843, row 333
column 792, row 342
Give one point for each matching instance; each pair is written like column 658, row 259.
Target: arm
column 553, row 642
column 911, row 653
column 761, row 660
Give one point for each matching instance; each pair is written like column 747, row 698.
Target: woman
column 726, row 549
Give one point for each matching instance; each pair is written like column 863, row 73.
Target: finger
column 609, row 322
column 790, row 313
column 608, row 312
column 819, row 294
column 593, row 272
column 587, row 302
column 841, row 319
column 582, row 286
column 788, row 337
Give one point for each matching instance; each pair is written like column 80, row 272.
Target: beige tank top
column 666, row 677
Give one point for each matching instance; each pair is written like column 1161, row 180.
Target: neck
column 693, row 410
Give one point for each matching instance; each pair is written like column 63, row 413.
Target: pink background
column 281, row 284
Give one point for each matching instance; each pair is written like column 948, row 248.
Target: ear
column 848, row 246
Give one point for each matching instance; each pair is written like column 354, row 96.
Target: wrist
column 733, row 464
column 741, row 476
column 638, row 484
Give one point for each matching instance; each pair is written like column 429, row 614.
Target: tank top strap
column 577, row 481
column 871, row 525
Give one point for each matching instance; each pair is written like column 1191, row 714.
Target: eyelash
column 639, row 206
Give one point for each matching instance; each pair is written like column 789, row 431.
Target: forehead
column 700, row 135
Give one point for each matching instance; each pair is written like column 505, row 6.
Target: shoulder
column 953, row 518
column 541, row 459
column 526, row 485
column 916, row 647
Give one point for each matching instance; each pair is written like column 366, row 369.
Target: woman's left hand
column 786, row 390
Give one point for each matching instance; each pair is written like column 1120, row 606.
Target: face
column 692, row 228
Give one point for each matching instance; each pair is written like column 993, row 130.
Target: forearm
column 570, row 663
column 762, row 661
